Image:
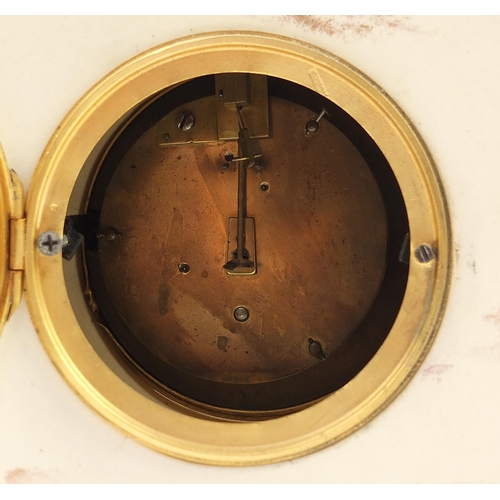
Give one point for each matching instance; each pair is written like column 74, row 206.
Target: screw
column 315, row 348
column 166, row 137
column 225, row 165
column 264, row 187
column 424, row 253
column 228, row 157
column 258, row 165
column 312, row 127
column 184, row 268
column 241, row 314
column 185, row 122
column 49, row 243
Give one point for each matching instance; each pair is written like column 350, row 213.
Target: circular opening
column 322, row 264
column 343, row 264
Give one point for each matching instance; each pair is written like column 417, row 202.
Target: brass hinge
column 17, row 240
column 17, row 225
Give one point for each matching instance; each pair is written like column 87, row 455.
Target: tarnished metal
column 250, row 250
column 248, row 151
column 321, row 233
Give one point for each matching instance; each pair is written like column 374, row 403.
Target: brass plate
column 163, row 427
column 255, row 116
column 321, row 231
column 214, row 120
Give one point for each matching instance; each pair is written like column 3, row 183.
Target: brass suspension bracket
column 213, row 118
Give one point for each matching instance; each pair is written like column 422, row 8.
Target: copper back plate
column 321, row 242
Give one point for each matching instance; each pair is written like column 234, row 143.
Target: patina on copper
column 320, row 233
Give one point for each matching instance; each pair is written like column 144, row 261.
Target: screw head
column 241, row 314
column 49, row 243
column 184, row 268
column 315, row 348
column 264, row 187
column 424, row 253
column 312, row 127
column 185, row 121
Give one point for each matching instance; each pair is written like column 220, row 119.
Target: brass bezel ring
column 337, row 415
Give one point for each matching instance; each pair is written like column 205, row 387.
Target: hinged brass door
column 12, row 237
